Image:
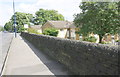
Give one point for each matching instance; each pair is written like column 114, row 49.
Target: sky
column 65, row 7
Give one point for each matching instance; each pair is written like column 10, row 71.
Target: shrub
column 117, row 40
column 104, row 42
column 50, row 31
column 21, row 29
column 90, row 39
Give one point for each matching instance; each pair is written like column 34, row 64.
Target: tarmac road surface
column 5, row 40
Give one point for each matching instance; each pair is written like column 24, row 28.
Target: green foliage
column 99, row 18
column 9, row 26
column 21, row 19
column 117, row 40
column 104, row 42
column 90, row 39
column 1, row 28
column 21, row 29
column 42, row 16
column 50, row 31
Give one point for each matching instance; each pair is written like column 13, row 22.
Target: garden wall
column 82, row 58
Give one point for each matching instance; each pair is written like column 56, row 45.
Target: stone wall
column 82, row 58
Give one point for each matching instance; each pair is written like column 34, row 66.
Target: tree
column 1, row 28
column 21, row 19
column 43, row 16
column 50, row 31
column 98, row 18
column 9, row 26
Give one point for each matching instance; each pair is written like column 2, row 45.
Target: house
column 109, row 37
column 37, row 27
column 66, row 29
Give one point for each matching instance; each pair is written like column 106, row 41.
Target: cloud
column 4, row 1
column 27, row 8
column 66, row 7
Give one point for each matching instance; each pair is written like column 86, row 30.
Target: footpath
column 24, row 59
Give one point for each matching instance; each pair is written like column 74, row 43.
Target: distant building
column 110, row 38
column 37, row 27
column 66, row 29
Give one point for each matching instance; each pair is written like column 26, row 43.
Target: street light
column 14, row 18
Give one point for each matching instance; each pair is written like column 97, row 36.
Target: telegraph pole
column 14, row 17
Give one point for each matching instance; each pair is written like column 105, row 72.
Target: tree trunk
column 100, row 38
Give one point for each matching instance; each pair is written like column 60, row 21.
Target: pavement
column 24, row 59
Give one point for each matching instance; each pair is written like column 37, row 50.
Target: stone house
column 106, row 38
column 109, row 37
column 37, row 27
column 66, row 29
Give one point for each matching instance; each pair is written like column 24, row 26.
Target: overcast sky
column 65, row 7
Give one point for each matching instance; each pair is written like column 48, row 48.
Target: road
column 5, row 40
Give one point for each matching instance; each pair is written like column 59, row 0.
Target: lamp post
column 14, row 19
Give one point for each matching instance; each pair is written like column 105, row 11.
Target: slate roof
column 36, row 27
column 62, row 24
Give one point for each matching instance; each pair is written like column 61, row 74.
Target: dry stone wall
column 82, row 58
